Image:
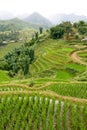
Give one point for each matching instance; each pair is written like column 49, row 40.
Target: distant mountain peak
column 35, row 13
column 39, row 20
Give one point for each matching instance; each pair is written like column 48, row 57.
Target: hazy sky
column 45, row 7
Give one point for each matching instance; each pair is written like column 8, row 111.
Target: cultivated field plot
column 36, row 112
column 13, row 87
column 78, row 90
column 49, row 56
column 50, row 97
column 83, row 55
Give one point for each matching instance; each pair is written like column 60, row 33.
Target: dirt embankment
column 75, row 57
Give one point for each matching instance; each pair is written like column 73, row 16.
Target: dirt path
column 49, row 94
column 76, row 58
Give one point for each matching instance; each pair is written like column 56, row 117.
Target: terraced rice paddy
column 40, row 113
column 50, row 55
column 49, row 104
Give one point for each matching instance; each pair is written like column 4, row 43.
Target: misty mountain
column 58, row 18
column 38, row 20
column 13, row 25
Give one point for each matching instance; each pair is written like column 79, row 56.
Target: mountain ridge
column 58, row 18
column 38, row 20
column 34, row 20
column 13, row 24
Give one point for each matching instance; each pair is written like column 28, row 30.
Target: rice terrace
column 43, row 76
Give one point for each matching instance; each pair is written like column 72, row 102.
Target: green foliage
column 81, row 26
column 76, row 37
column 69, row 31
column 18, row 59
column 9, row 36
column 40, row 30
column 8, row 48
column 68, row 28
column 39, row 112
column 69, row 89
column 56, row 32
column 61, row 29
column 3, row 65
column 30, row 43
column 4, row 76
column 31, row 83
column 82, row 30
column 36, row 35
column 13, row 24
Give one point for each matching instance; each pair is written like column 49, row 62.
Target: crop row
column 36, row 113
column 78, row 90
column 13, row 87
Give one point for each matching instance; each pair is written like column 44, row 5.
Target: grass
column 78, row 90
column 77, row 67
column 4, row 76
column 83, row 56
column 63, row 75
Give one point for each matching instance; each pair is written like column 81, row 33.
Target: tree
column 61, row 29
column 81, row 23
column 40, row 30
column 19, row 59
column 82, row 30
column 36, row 35
column 56, row 32
column 67, row 28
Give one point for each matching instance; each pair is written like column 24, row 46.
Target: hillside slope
column 13, row 25
column 53, row 61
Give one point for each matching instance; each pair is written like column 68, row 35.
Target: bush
column 11, row 74
column 31, row 84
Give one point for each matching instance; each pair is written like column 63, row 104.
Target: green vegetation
column 43, row 87
column 78, row 90
column 69, row 31
column 13, row 24
column 7, row 48
column 52, row 61
column 40, row 113
column 18, row 60
column 83, row 55
column 4, row 76
column 10, row 36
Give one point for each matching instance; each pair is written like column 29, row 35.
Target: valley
column 43, row 80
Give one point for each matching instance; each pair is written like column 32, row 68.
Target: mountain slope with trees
column 13, row 25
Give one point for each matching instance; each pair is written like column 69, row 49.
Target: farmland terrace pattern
column 52, row 106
